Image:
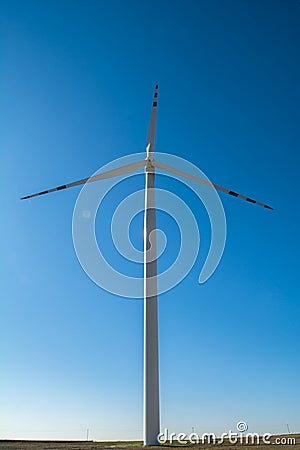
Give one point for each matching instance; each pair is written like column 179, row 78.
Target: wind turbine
column 151, row 425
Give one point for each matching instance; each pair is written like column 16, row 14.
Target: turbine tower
column 151, row 377
column 151, row 424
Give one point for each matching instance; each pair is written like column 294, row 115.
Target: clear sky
column 77, row 82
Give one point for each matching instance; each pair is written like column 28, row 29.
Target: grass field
column 293, row 444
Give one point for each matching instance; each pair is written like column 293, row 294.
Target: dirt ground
column 292, row 444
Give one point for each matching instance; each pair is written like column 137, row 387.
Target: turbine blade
column 150, row 144
column 101, row 176
column 206, row 183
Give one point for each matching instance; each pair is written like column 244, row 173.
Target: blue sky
column 77, row 83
